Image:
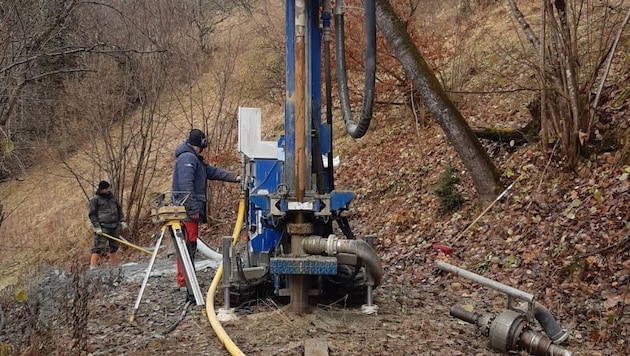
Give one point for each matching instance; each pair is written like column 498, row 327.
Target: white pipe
column 204, row 249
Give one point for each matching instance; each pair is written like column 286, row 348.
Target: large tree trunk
column 485, row 175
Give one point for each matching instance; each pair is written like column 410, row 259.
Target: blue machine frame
column 291, row 199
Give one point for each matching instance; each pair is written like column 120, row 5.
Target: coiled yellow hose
column 212, row 317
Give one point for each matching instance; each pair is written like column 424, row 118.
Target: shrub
column 447, row 191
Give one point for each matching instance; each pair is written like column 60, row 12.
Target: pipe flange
column 484, row 324
column 369, row 309
column 226, row 315
column 506, row 330
column 331, row 245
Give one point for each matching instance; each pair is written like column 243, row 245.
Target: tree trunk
column 510, row 136
column 485, row 175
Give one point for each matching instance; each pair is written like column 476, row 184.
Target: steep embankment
column 560, row 235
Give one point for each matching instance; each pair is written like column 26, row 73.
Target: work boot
column 113, row 259
column 93, row 261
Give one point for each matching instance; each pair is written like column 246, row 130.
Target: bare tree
column 33, row 53
column 124, row 119
column 484, row 173
column 575, row 41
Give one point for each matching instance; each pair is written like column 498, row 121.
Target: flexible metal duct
column 332, row 245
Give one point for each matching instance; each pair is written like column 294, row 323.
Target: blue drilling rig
column 288, row 246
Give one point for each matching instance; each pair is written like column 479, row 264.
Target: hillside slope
column 563, row 236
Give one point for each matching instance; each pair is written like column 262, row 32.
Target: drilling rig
column 288, row 246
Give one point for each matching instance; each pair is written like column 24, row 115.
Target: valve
column 509, row 331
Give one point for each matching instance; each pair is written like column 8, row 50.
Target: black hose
column 326, row 16
column 344, row 225
column 353, row 129
column 557, row 334
column 239, row 268
column 350, row 279
column 316, row 155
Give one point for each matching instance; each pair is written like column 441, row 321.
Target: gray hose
column 557, row 334
column 353, row 129
column 333, row 245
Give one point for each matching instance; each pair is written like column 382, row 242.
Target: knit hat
column 103, row 185
column 197, row 138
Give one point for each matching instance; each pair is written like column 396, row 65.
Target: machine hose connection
column 332, row 246
column 511, row 329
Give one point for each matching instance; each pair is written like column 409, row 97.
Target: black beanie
column 197, row 138
column 103, row 185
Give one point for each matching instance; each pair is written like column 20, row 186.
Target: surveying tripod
column 170, row 217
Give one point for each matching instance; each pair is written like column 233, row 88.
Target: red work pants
column 191, row 232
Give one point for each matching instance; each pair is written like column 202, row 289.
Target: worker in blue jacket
column 189, row 188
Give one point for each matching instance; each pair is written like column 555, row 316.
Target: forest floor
column 563, row 237
column 560, row 235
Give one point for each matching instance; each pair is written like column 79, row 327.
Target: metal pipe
column 556, row 333
column 333, row 245
column 300, row 101
column 463, row 314
column 227, row 266
column 486, row 282
column 503, row 331
column 537, row 344
column 369, row 239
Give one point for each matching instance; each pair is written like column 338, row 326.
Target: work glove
column 98, row 230
column 124, row 225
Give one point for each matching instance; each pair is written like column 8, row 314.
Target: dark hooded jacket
column 105, row 211
column 189, row 180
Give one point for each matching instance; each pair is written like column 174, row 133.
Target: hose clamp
column 331, row 245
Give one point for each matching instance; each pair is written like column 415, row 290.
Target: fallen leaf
column 615, row 299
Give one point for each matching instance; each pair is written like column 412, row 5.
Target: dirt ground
column 409, row 321
column 574, row 257
column 412, row 319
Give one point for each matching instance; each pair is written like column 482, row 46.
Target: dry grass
column 46, row 211
column 46, row 220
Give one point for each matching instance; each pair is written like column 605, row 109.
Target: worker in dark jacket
column 189, row 188
column 106, row 217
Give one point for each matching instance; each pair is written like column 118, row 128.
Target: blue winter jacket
column 189, row 180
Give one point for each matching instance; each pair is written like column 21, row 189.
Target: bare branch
column 531, row 36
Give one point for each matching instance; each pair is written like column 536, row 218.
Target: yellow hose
column 127, row 243
column 216, row 325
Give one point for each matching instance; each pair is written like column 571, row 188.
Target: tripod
column 170, row 217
